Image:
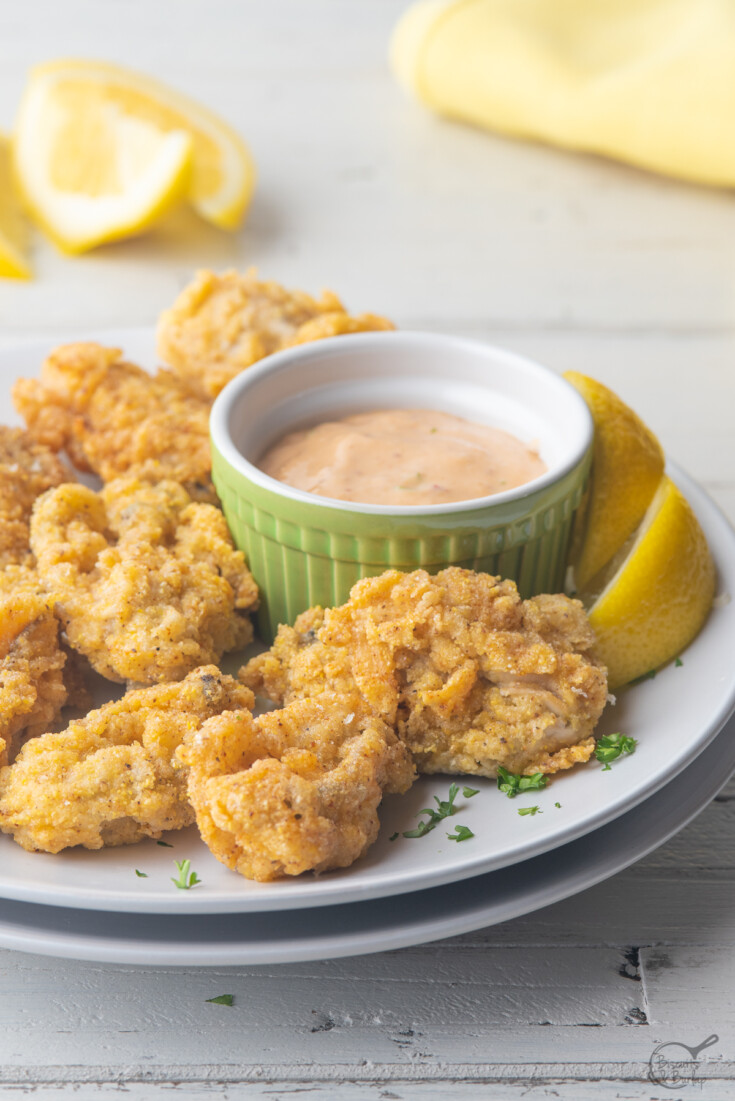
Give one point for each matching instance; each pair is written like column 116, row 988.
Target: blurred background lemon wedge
column 13, row 226
column 101, row 152
column 642, row 566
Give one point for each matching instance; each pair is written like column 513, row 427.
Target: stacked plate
column 120, row 905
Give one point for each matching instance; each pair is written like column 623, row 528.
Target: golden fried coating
column 146, row 583
column 470, row 676
column 221, row 324
column 32, row 687
column 109, row 779
column 294, row 790
column 27, row 469
column 114, row 418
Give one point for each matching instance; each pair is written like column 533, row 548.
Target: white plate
column 673, row 717
column 362, row 927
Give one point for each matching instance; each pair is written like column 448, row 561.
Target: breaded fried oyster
column 294, row 790
column 470, row 676
column 114, row 418
column 32, row 684
column 147, row 583
column 27, row 469
column 109, row 779
column 221, row 324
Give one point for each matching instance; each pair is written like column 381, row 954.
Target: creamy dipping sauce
column 402, row 457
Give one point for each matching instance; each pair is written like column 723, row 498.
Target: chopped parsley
column 141, row 875
column 186, row 879
column 223, row 999
column 445, row 808
column 512, row 784
column 678, row 663
column 558, row 805
column 393, row 836
column 611, row 746
column 462, row 833
column 164, row 844
column 469, row 792
column 530, row 810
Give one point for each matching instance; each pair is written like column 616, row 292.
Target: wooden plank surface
column 575, row 261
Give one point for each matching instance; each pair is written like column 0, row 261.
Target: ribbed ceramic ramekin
column 305, row 550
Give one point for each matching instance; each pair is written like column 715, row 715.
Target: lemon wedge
column 101, row 152
column 627, row 467
column 13, row 226
column 656, row 593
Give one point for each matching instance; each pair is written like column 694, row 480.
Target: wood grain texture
column 578, row 262
column 398, row 1089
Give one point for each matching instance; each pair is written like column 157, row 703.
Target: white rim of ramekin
column 227, row 399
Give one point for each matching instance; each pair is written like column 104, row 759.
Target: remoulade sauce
column 402, row 457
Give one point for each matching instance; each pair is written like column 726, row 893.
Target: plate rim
column 302, row 894
column 625, row 847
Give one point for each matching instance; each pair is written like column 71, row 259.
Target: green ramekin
column 304, row 550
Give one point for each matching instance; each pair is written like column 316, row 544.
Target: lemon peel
column 657, row 593
column 13, row 226
column 627, row 467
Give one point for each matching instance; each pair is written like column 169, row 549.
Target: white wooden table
column 578, row 262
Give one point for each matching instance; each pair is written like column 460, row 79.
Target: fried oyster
column 470, row 676
column 109, row 779
column 221, row 324
column 293, row 790
column 32, row 684
column 114, row 418
column 34, row 670
column 27, row 469
column 146, row 583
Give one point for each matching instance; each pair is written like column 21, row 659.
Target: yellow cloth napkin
column 647, row 81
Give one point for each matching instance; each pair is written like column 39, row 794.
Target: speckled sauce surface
column 402, row 457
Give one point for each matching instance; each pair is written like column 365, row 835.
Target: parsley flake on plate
column 445, row 808
column 186, row 879
column 469, row 792
column 512, row 784
column 164, row 844
column 611, row 746
column 529, row 810
column 462, row 833
column 222, row 999
column 141, row 875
